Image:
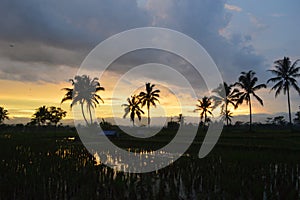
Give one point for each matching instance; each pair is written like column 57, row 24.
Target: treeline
column 228, row 97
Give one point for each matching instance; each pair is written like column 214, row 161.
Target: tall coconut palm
column 247, row 84
column 225, row 95
column 84, row 91
column 149, row 97
column 205, row 106
column 285, row 77
column 133, row 107
column 3, row 115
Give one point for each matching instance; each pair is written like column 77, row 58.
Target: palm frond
column 296, row 87
column 274, row 79
column 295, row 64
column 258, row 99
column 258, row 87
column 98, row 97
column 275, row 72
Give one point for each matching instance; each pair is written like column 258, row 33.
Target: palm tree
column 205, row 106
column 133, row 107
column 41, row 116
column 285, row 77
column 84, row 91
column 247, row 84
column 3, row 115
column 149, row 98
column 226, row 95
column 227, row 116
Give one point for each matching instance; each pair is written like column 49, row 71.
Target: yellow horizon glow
column 21, row 99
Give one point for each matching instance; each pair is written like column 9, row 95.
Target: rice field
column 263, row 165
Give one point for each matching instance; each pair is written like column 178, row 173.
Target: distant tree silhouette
column 297, row 118
column 84, row 91
column 205, row 106
column 181, row 119
column 133, row 107
column 45, row 115
column 279, row 120
column 149, row 97
column 227, row 116
column 40, row 116
column 247, row 84
column 269, row 120
column 56, row 114
column 285, row 77
column 105, row 125
column 239, row 123
column 3, row 115
column 225, row 95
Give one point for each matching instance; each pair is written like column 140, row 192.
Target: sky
column 43, row 44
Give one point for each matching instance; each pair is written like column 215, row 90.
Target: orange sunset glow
column 31, row 96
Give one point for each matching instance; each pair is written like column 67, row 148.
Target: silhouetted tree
column 205, row 106
column 45, row 115
column 297, row 119
column 247, row 84
column 269, row 120
column 239, row 123
column 133, row 107
column 226, row 95
column 56, row 114
column 181, row 119
column 84, row 91
column 285, row 77
column 41, row 116
column 227, row 116
column 105, row 125
column 279, row 120
column 3, row 115
column 149, row 97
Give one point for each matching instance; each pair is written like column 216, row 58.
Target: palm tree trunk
column 83, row 114
column 148, row 108
column 250, row 109
column 289, row 105
column 90, row 112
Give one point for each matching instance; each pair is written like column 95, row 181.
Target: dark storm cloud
column 49, row 34
column 36, row 52
column 67, row 23
column 67, row 27
column 55, row 33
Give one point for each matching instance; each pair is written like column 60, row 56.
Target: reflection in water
column 115, row 160
column 97, row 159
column 68, row 171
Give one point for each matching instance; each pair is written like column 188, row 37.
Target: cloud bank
column 42, row 38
